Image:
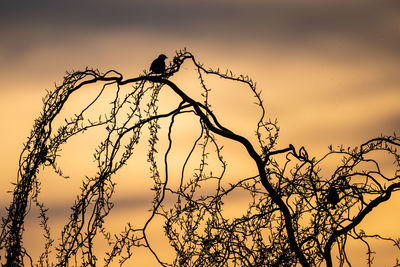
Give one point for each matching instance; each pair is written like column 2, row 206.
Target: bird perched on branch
column 332, row 197
column 158, row 65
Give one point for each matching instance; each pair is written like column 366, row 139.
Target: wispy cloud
column 297, row 23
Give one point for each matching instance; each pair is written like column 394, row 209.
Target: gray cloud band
column 368, row 22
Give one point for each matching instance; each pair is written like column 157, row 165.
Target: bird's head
column 162, row 57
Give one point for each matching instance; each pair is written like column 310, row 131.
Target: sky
column 329, row 70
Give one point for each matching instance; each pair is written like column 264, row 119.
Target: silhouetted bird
column 158, row 65
column 332, row 197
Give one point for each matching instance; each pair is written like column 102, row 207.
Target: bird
column 332, row 197
column 158, row 65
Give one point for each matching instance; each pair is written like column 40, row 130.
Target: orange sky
column 329, row 72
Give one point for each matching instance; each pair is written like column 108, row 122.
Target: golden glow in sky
column 328, row 71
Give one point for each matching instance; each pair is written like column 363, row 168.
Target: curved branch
column 357, row 220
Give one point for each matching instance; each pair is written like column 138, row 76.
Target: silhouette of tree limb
column 289, row 219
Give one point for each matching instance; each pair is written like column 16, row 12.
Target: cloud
column 295, row 23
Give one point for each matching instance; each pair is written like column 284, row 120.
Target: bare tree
column 295, row 214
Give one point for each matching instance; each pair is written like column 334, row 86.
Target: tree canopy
column 298, row 213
